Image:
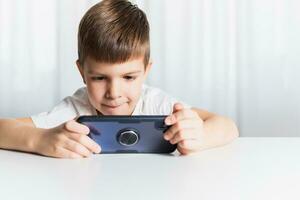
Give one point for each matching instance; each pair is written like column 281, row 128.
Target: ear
column 80, row 69
column 147, row 69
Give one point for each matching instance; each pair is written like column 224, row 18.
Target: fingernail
column 168, row 120
column 97, row 149
column 166, row 137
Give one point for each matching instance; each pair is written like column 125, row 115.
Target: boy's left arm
column 194, row 130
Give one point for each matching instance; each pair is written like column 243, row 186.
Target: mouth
column 112, row 106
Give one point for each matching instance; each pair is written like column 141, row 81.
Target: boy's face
column 114, row 89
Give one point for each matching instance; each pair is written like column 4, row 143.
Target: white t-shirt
column 152, row 101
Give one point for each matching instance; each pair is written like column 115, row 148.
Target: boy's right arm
column 68, row 140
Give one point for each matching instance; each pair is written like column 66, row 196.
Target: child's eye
column 98, row 78
column 130, row 78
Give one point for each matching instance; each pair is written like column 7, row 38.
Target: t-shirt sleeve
column 68, row 109
column 61, row 113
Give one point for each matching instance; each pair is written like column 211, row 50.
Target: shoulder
column 79, row 98
column 69, row 108
column 154, row 101
column 149, row 91
column 77, row 103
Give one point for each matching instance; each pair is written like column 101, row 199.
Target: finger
column 184, row 124
column 177, row 107
column 76, row 127
column 180, row 115
column 86, row 141
column 188, row 146
column 184, row 135
column 76, row 147
column 65, row 153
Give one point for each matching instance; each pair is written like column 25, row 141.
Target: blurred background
column 237, row 58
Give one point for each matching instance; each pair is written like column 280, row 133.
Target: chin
column 112, row 113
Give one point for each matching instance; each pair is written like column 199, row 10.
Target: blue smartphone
column 129, row 134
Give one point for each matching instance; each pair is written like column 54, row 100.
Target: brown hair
column 114, row 31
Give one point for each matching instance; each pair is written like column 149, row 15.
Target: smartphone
column 129, row 134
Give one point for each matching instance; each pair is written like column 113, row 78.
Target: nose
column 113, row 90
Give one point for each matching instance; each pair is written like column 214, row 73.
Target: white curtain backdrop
column 238, row 58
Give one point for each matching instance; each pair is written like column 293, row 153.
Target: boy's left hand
column 186, row 129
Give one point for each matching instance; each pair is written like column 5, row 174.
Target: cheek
column 95, row 92
column 134, row 92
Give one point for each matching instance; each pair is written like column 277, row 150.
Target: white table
column 248, row 168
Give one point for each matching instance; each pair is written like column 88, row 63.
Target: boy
column 114, row 52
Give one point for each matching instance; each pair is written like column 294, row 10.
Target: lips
column 114, row 104
column 111, row 106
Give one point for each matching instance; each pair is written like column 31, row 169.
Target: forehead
column 94, row 67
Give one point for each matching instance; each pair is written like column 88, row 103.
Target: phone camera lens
column 128, row 137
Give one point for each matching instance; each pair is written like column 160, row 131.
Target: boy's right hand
column 68, row 140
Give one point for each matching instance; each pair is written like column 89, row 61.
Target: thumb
column 76, row 127
column 177, row 107
column 171, row 119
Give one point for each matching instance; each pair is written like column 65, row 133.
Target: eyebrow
column 100, row 74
